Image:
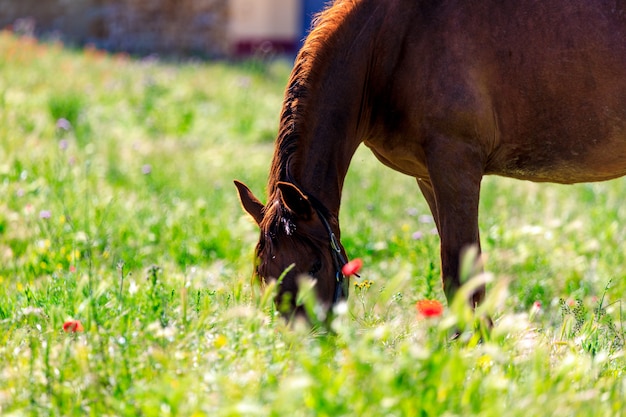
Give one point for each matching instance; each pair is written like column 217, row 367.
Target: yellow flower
column 220, row 341
column 363, row 285
column 485, row 362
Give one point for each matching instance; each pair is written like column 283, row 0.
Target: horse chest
column 407, row 158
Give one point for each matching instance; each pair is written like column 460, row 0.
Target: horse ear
column 295, row 200
column 250, row 203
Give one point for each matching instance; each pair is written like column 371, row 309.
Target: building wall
column 47, row 15
column 205, row 27
column 139, row 26
column 273, row 23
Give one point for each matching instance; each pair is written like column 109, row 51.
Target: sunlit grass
column 118, row 211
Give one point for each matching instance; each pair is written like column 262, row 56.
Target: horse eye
column 317, row 265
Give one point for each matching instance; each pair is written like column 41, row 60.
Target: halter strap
column 342, row 285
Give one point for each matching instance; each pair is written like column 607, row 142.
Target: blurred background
column 206, row 28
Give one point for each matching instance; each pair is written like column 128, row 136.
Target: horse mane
column 305, row 77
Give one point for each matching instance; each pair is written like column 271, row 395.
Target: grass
column 118, row 210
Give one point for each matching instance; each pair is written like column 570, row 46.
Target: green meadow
column 118, row 210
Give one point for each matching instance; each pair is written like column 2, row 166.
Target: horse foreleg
column 427, row 191
column 452, row 192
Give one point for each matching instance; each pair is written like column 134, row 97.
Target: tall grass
column 118, row 210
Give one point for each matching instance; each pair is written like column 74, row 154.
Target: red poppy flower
column 73, row 326
column 429, row 308
column 352, row 267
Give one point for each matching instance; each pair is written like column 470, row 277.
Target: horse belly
column 559, row 110
column 565, row 162
column 399, row 154
column 568, row 128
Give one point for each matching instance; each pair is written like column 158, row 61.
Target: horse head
column 296, row 231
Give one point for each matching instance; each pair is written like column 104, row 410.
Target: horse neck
column 325, row 106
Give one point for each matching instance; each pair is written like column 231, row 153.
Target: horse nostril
column 317, row 266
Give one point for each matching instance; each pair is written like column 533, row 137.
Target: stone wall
column 136, row 26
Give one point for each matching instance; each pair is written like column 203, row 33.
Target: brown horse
column 444, row 91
